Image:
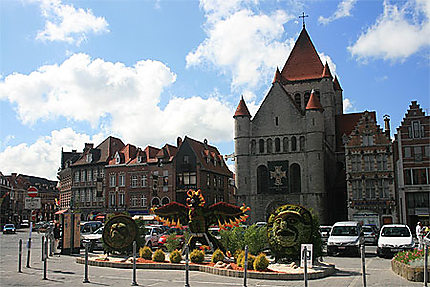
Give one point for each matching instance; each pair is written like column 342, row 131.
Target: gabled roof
column 242, row 109
column 203, row 150
column 326, row 71
column 346, row 123
column 303, row 62
column 151, row 153
column 314, row 103
column 167, row 152
column 126, row 154
column 103, row 152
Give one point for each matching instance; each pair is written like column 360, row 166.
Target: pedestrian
column 57, row 237
column 419, row 233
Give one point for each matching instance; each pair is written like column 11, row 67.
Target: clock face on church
column 278, row 176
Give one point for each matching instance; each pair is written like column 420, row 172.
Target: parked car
column 88, row 227
column 370, row 235
column 345, row 237
column 40, row 226
column 94, row 239
column 25, row 223
column 394, row 238
column 261, row 224
column 152, row 233
column 9, row 228
column 325, row 232
column 179, row 235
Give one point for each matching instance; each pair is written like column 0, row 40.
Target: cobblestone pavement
column 64, row 271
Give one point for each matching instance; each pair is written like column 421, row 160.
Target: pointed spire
column 314, row 103
column 303, row 62
column 278, row 77
column 242, row 109
column 336, row 84
column 326, row 72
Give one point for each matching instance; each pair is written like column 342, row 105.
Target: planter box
column 415, row 274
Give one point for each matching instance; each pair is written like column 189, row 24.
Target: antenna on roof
column 303, row 16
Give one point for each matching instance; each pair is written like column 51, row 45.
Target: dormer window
column 89, row 157
column 117, row 158
column 140, row 159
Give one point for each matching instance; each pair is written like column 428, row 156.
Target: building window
column 112, row 199
column 134, row 181
column 367, row 140
column 368, row 162
column 295, row 178
column 293, row 143
column 215, row 182
column 88, row 195
column 417, row 130
column 419, row 176
column 253, row 144
column 83, row 175
column 269, row 145
column 285, row 144
column 356, row 162
column 77, row 176
column 143, row 201
column 208, row 180
column 418, row 156
column 90, row 175
column 370, row 189
column 117, row 158
column 134, row 201
column 276, row 121
column 121, row 199
column 155, row 201
column 298, row 100
column 427, row 151
column 262, row 179
column 384, row 188
column 121, row 180
column 112, row 180
column 277, row 145
column 408, row 152
column 306, row 98
column 356, row 189
column 261, row 145
column 89, row 157
column 381, row 162
column 165, row 200
column 143, row 181
column 186, row 159
column 302, row 143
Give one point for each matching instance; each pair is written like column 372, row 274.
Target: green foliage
column 140, row 237
column 175, row 256
column 172, row 242
column 197, row 256
column 218, row 255
column 251, row 259
column 261, row 262
column 236, row 239
column 158, row 256
column 238, row 255
column 145, row 253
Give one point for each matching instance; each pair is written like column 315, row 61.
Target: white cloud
column 65, row 23
column 325, row 58
column 347, row 105
column 123, row 100
column 42, row 158
column 343, row 10
column 397, row 34
column 242, row 43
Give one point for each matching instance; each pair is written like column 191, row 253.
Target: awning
column 61, row 211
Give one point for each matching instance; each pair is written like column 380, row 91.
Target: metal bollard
column 86, row 264
column 426, row 266
column 45, row 261
column 187, row 266
column 245, row 266
column 363, row 263
column 43, row 249
column 51, row 246
column 28, row 252
column 305, row 265
column 20, row 255
column 134, row 283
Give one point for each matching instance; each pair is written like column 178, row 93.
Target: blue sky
column 149, row 71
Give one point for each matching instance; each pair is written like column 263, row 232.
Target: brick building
column 6, row 204
column 65, row 178
column 370, row 173
column 412, row 158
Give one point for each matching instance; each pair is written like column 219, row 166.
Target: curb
column 213, row 270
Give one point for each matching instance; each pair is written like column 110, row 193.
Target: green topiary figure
column 251, row 259
column 175, row 256
column 158, row 256
column 197, row 256
column 238, row 256
column 261, row 263
column 145, row 253
column 218, row 255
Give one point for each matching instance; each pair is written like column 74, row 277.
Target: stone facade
column 286, row 152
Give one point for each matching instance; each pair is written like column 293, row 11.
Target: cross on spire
column 303, row 16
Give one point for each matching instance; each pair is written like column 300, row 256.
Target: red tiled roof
column 242, row 109
column 326, row 71
column 336, row 84
column 303, row 62
column 313, row 103
column 346, row 123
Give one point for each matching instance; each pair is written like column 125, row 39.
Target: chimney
column 74, row 150
column 178, row 142
column 88, row 146
column 387, row 125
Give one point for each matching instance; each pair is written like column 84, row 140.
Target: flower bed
column 406, row 264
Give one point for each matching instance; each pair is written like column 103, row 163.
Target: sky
column 150, row 71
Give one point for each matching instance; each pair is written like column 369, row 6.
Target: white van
column 394, row 238
column 345, row 237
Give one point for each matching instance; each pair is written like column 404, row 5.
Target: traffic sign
column 32, row 191
column 33, row 203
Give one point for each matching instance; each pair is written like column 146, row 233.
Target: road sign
column 33, row 203
column 32, row 191
column 309, row 256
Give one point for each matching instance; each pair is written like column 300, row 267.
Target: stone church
column 287, row 152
